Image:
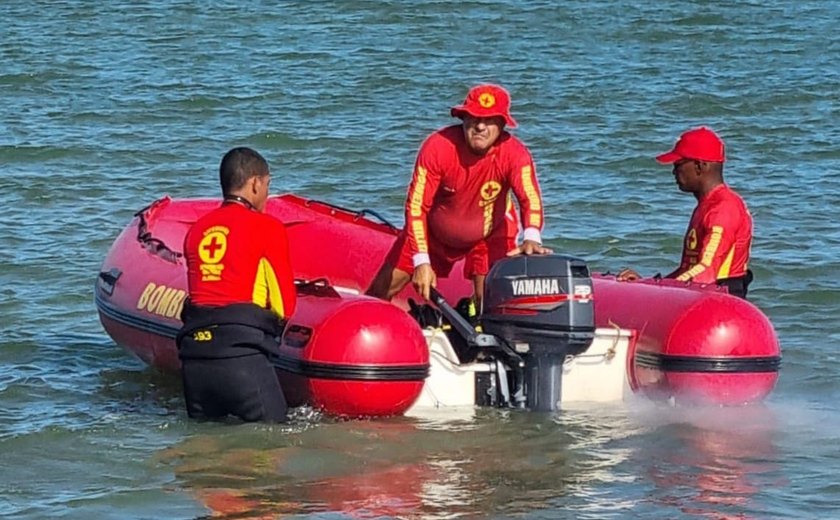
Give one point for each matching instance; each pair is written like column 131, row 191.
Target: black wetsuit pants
column 224, row 355
column 738, row 286
column 245, row 387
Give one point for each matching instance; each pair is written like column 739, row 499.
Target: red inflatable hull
column 353, row 355
column 695, row 343
column 347, row 354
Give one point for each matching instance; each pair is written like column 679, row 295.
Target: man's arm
column 279, row 276
column 526, row 187
column 421, row 194
column 417, row 205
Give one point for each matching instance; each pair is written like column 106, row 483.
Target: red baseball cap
column 486, row 101
column 699, row 143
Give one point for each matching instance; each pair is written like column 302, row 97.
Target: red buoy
column 353, row 356
column 696, row 344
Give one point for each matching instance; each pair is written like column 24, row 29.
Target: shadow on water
column 713, row 463
column 493, row 462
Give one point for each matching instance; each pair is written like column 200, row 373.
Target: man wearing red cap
column 716, row 248
column 459, row 197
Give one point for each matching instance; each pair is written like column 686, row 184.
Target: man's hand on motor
column 530, row 247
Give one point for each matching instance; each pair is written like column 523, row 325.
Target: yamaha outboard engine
column 541, row 306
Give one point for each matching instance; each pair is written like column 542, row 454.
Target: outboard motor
column 541, row 306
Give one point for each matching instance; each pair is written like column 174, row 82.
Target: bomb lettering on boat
column 536, row 287
column 162, row 300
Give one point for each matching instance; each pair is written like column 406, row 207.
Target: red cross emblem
column 212, row 248
column 490, row 190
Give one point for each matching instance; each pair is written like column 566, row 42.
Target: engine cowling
column 542, row 307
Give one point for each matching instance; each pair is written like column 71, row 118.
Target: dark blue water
column 107, row 107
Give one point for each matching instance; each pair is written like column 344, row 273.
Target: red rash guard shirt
column 237, row 255
column 717, row 242
column 460, row 198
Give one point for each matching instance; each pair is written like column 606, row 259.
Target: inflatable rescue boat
column 551, row 331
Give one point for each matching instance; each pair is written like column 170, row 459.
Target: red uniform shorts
column 479, row 258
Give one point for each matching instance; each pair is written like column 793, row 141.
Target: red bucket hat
column 486, row 101
column 699, row 143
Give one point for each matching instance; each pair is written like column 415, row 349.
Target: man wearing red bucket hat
column 458, row 199
column 716, row 248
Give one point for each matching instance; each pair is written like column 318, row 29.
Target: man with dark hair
column 458, row 203
column 241, row 293
column 716, row 248
column 239, row 165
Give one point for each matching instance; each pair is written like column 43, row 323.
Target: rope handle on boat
column 608, row 355
column 151, row 243
column 356, row 214
column 378, row 216
column 316, row 287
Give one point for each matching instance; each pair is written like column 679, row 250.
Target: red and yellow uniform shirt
column 460, row 198
column 717, row 242
column 237, row 255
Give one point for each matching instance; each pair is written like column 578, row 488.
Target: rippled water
column 108, row 106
